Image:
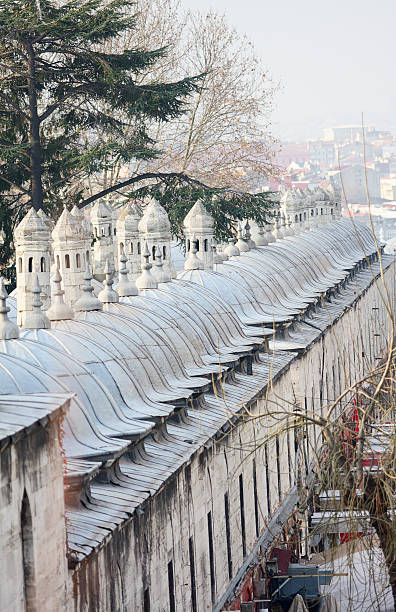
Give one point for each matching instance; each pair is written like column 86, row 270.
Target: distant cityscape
column 350, row 162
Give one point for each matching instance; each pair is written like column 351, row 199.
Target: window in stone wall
column 242, row 510
column 192, row 575
column 289, row 457
column 228, row 534
column 211, row 558
column 171, row 586
column 267, row 480
column 256, row 508
column 278, row 468
column 146, row 600
column 306, row 428
column 27, row 554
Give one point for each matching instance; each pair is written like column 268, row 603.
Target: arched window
column 115, row 231
column 139, row 249
column 131, row 247
column 205, row 245
column 312, row 212
column 87, row 257
column 336, row 205
column 103, row 233
column 197, row 241
column 295, row 218
column 19, row 264
column 67, row 261
column 57, row 262
column 109, row 230
column 42, row 264
column 164, row 252
column 321, row 211
column 305, row 215
column 331, row 211
column 300, row 217
column 153, row 252
column 121, row 247
column 30, row 264
column 96, row 232
column 78, row 260
column 27, row 554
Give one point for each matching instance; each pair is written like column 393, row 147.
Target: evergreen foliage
column 66, row 110
column 177, row 195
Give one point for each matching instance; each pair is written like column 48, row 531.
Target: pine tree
column 67, row 106
column 60, row 95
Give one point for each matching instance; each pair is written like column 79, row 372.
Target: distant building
column 353, row 182
column 322, row 152
column 357, row 148
column 293, row 152
column 344, row 133
column 388, row 188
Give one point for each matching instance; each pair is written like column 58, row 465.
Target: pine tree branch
column 142, row 177
column 15, row 106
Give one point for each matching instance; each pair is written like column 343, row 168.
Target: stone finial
column 125, row 288
column 87, row 301
column 242, row 243
column 260, row 238
column 8, row 329
column 146, row 280
column 217, row 258
column 159, row 273
column 59, row 311
column 232, row 250
column 108, row 295
column 222, row 254
column 248, row 236
column 36, row 318
column 193, row 262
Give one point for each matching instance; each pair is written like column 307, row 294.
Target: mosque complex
column 137, row 472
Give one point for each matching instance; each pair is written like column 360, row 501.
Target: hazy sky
column 335, row 59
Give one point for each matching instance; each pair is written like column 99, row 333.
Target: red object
column 283, row 558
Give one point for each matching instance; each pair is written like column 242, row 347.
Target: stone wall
column 33, row 566
column 185, row 523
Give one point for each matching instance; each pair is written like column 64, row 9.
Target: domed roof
column 155, row 219
column 32, row 227
column 68, row 227
column 198, row 218
column 82, row 438
column 101, row 211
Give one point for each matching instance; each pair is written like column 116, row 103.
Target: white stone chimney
column 199, row 223
column 32, row 249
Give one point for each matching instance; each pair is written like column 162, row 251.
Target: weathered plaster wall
column 32, row 466
column 136, row 560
